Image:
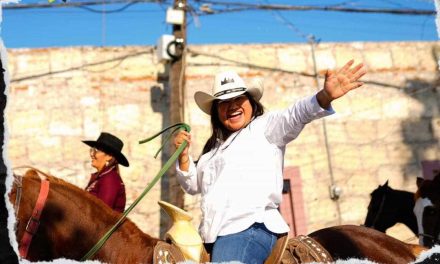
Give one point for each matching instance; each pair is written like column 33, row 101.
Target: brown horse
column 72, row 222
column 350, row 241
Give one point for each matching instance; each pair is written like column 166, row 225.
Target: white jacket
column 241, row 181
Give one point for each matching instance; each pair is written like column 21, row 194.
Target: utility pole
column 170, row 188
column 334, row 189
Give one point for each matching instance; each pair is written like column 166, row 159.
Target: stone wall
column 60, row 96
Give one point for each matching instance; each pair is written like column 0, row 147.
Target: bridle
column 434, row 238
column 34, row 221
column 18, row 188
column 379, row 212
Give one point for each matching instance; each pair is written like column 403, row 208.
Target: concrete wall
column 60, row 96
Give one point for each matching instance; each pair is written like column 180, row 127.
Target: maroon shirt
column 109, row 187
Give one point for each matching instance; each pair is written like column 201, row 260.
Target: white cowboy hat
column 226, row 85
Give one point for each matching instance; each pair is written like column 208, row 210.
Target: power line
column 237, row 7
column 81, row 67
column 108, row 11
column 289, row 24
column 78, row 4
column 245, row 6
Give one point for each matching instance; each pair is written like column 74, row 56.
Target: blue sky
column 144, row 23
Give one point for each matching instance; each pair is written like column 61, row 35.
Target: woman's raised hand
column 338, row 83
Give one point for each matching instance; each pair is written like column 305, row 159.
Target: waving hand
column 338, row 83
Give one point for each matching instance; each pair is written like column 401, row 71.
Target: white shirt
column 241, row 182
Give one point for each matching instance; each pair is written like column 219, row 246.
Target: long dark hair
column 219, row 131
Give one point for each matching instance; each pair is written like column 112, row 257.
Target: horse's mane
column 383, row 189
column 61, row 185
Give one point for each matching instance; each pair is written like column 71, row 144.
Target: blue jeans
column 251, row 246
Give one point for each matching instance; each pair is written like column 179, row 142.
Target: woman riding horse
column 106, row 183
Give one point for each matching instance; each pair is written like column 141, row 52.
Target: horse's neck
column 410, row 221
column 76, row 221
column 406, row 214
column 128, row 244
column 406, row 197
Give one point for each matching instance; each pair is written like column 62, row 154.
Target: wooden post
column 171, row 191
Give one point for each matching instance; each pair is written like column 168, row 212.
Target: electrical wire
column 123, row 8
column 21, row 6
column 239, row 6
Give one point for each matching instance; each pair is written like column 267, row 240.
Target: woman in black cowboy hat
column 106, row 183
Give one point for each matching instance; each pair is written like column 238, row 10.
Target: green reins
column 162, row 171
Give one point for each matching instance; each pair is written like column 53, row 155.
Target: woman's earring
column 106, row 163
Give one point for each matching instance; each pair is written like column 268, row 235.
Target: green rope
column 167, row 165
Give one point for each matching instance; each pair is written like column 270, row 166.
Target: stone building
column 383, row 131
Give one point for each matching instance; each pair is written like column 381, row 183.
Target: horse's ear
column 385, row 184
column 419, row 182
column 31, row 173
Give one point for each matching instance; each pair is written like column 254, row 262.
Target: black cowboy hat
column 111, row 145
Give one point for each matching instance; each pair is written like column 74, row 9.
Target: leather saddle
column 183, row 243
column 300, row 249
